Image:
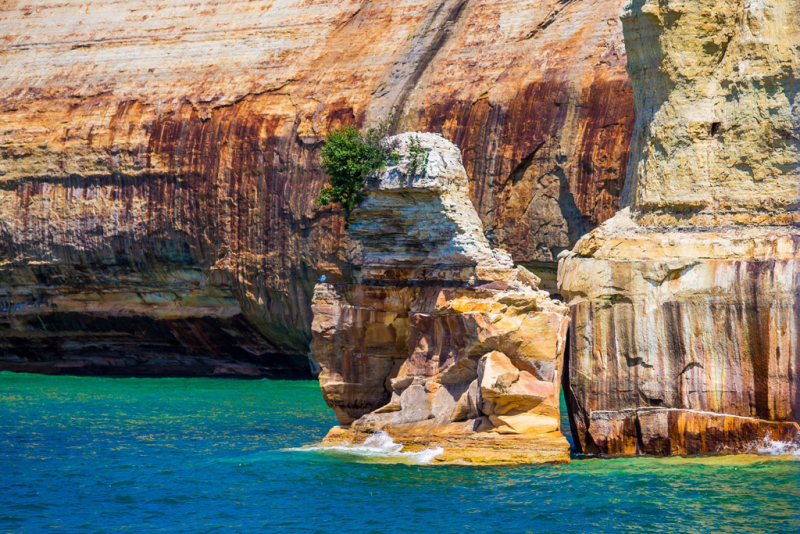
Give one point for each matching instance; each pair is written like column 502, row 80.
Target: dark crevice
column 650, row 401
column 635, row 361
column 689, row 367
column 519, row 171
column 569, row 396
column 639, row 440
column 548, row 20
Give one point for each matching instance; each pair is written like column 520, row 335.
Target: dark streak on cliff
column 431, row 48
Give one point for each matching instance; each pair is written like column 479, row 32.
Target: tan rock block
column 505, row 390
column 497, row 373
column 526, row 423
column 528, row 278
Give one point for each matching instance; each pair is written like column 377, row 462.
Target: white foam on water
column 769, row 447
column 378, row 448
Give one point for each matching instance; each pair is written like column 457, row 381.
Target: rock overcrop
column 440, row 340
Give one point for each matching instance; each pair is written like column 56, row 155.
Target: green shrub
column 349, row 157
column 417, row 156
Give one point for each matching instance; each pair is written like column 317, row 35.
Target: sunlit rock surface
column 159, row 160
column 685, row 306
column 440, row 341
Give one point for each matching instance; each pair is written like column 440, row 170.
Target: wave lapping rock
column 441, row 341
column 685, row 306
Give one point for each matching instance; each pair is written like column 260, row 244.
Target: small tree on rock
column 348, row 158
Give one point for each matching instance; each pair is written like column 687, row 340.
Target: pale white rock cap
column 423, row 218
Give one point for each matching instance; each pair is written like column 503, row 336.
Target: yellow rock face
column 685, row 306
column 467, row 448
column 716, row 140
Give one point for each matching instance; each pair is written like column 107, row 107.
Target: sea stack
column 685, row 306
column 439, row 340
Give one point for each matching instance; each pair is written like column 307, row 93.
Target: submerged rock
column 685, row 306
column 440, row 341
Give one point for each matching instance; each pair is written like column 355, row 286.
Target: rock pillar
column 439, row 341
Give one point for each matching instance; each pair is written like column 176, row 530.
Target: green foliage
column 417, row 156
column 349, row 157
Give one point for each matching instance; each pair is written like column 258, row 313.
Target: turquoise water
column 89, row 455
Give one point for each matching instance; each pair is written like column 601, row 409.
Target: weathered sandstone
column 439, row 341
column 159, row 160
column 685, row 306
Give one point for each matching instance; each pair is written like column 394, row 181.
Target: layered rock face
column 440, row 341
column 159, row 160
column 685, row 306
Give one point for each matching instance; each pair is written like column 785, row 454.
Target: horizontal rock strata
column 159, row 160
column 685, row 306
column 696, row 346
column 440, row 342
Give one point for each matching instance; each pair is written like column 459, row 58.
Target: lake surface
column 88, row 455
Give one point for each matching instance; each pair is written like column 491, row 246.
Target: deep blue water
column 88, row 455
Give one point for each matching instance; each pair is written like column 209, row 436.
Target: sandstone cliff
column 440, row 342
column 686, row 305
column 159, row 160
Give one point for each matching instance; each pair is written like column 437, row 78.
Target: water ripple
column 88, row 455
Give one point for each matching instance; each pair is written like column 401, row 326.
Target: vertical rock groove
column 422, row 52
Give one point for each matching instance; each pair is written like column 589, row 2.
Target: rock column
column 439, row 341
